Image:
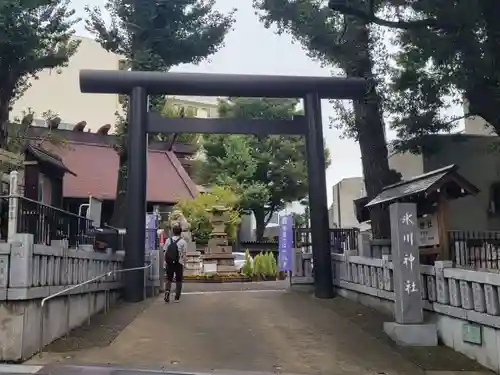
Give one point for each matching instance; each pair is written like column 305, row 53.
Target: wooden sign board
column 428, row 231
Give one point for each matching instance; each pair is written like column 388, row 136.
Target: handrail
column 94, row 279
column 13, row 196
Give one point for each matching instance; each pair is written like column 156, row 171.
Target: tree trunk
column 371, row 134
column 260, row 223
column 4, row 119
column 120, row 206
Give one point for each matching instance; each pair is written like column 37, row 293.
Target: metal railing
column 68, row 302
column 49, row 223
column 475, row 249
column 45, row 222
column 341, row 239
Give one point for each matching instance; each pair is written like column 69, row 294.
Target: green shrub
column 257, row 265
column 274, row 264
column 266, row 265
column 247, row 269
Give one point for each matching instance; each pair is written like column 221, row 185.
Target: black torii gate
column 138, row 85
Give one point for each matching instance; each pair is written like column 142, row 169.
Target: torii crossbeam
column 138, row 85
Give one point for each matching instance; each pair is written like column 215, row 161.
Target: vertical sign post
column 405, row 255
column 150, row 232
column 285, row 243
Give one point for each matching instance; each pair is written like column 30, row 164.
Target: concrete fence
column 464, row 304
column 30, row 272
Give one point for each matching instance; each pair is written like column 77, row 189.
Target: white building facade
column 58, row 91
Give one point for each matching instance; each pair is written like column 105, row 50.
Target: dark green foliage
column 267, row 171
column 449, row 49
column 34, row 35
column 156, row 35
column 346, row 44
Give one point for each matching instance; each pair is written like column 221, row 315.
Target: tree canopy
column 448, row 49
column 347, row 45
column 267, row 171
column 195, row 212
column 156, row 35
column 34, row 35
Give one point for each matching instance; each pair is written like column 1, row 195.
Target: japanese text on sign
column 285, row 243
column 410, row 286
column 407, row 219
column 408, row 261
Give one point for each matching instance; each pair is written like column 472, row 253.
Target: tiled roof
column 421, row 184
column 96, row 169
column 45, row 156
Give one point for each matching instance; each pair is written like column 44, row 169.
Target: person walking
column 175, row 259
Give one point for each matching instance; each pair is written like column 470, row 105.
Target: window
column 203, row 113
column 191, row 111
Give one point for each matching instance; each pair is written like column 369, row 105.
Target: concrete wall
column 342, row 213
column 205, row 107
column 59, row 91
column 476, row 124
column 409, row 165
column 61, row 94
column 479, row 163
column 452, row 298
column 29, row 273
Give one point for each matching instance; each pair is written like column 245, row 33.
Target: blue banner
column 150, row 232
column 285, row 243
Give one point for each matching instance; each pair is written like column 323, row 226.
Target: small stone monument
column 218, row 256
column 409, row 328
column 193, row 264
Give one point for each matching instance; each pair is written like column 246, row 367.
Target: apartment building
column 342, row 213
column 58, row 91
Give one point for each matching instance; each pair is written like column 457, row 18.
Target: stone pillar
column 409, row 328
column 364, row 245
column 21, row 261
column 13, row 205
column 442, row 286
column 162, row 276
column 154, row 272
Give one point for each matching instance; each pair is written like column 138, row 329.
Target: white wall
column 342, row 212
column 409, row 165
column 61, row 94
column 476, row 125
column 205, row 107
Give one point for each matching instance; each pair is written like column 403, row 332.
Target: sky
column 252, row 49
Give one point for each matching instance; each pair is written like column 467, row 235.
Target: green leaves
column 157, row 35
column 34, row 35
column 455, row 58
column 266, row 171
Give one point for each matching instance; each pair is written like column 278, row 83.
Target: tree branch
column 370, row 17
column 455, row 119
column 269, row 212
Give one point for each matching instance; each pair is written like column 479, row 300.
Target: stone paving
column 258, row 327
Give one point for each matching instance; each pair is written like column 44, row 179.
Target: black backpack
column 172, row 253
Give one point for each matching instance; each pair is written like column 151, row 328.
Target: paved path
column 265, row 330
